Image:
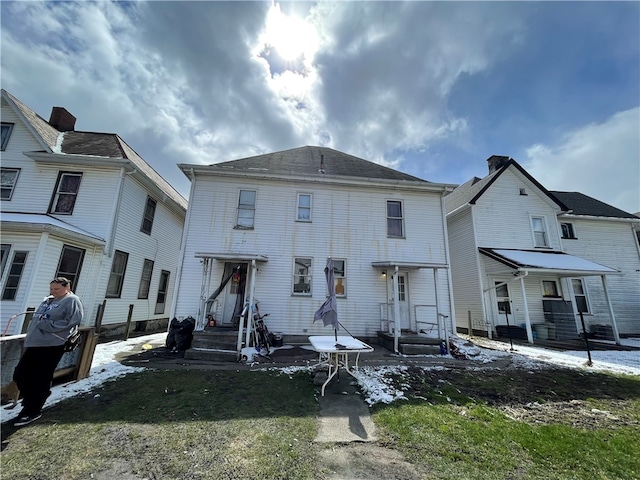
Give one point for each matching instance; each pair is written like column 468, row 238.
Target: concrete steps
column 411, row 343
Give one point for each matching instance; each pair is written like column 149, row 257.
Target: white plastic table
column 338, row 352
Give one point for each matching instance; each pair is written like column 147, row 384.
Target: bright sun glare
column 289, row 36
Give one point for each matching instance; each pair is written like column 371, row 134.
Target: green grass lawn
column 455, row 424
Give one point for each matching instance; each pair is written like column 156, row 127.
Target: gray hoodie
column 53, row 321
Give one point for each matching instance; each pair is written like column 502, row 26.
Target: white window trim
column 298, row 207
column 401, row 218
column 558, row 288
column 546, row 231
column 13, row 185
column 343, row 277
column 573, row 230
column 585, row 289
column 295, row 274
column 9, row 126
column 255, row 202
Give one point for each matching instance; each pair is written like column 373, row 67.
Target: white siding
column 346, row 224
column 503, row 216
column 610, row 243
column 464, row 271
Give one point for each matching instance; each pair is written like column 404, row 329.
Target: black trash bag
column 180, row 334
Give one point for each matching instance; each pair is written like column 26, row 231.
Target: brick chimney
column 496, row 162
column 62, row 120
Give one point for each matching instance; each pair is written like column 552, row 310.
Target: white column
column 527, row 320
column 614, row 325
column 396, row 310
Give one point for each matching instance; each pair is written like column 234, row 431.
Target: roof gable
column 471, row 191
column 45, row 133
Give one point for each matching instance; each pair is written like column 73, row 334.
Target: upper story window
column 567, row 230
column 302, row 276
column 116, row 277
column 9, row 180
column 149, row 214
column 64, row 198
column 304, row 207
column 395, row 220
column 246, row 209
column 6, row 133
column 539, row 227
column 4, row 251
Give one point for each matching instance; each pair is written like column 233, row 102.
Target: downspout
column 115, row 215
column 452, row 309
column 527, row 319
column 614, row 325
column 396, row 310
column 183, row 243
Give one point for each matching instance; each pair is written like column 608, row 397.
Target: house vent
column 523, row 191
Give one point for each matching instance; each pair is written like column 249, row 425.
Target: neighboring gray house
column 83, row 205
column 274, row 220
column 510, row 264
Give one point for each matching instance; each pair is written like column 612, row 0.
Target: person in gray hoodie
column 53, row 322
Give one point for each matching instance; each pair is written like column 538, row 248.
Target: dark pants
column 33, row 376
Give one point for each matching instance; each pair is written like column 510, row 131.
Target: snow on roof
column 551, row 260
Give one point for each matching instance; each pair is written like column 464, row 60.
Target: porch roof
column 233, row 257
column 40, row 222
column 558, row 263
column 407, row 265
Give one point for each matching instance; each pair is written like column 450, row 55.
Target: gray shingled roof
column 306, row 161
column 582, row 204
column 48, row 134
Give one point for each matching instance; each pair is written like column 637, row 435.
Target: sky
column 429, row 88
column 373, row 381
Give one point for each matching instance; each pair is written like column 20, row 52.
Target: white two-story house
column 85, row 206
column 261, row 229
column 513, row 272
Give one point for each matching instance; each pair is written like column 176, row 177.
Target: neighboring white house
column 274, row 220
column 85, row 206
column 511, row 266
column 604, row 234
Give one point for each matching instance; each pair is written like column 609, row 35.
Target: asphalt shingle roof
column 582, row 204
column 307, row 161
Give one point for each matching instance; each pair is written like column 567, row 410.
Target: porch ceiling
column 233, row 257
column 558, row 263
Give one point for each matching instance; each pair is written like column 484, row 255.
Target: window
column 567, row 230
column 246, row 209
column 6, row 133
column 340, row 279
column 550, row 289
column 580, row 294
column 394, row 219
column 15, row 274
column 539, row 232
column 145, row 280
column 5, row 248
column 116, row 277
column 149, row 213
column 66, row 192
column 502, row 297
column 302, row 276
column 8, row 183
column 304, row 207
column 163, row 287
column 70, row 264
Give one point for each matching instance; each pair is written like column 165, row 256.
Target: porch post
column 204, row 290
column 252, row 286
column 527, row 320
column 614, row 325
column 396, row 311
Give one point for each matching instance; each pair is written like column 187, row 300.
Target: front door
column 233, row 294
column 403, row 299
column 505, row 312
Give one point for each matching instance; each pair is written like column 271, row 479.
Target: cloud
column 601, row 160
